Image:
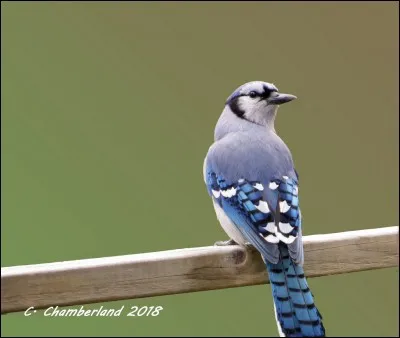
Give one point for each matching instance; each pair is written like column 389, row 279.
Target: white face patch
column 256, row 110
column 263, row 207
column 229, row 192
column 247, row 104
column 284, row 207
column 258, row 186
column 216, row 193
column 273, row 186
column 285, row 228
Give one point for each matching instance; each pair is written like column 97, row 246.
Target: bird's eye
column 252, row 94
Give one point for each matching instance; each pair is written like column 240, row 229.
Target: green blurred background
column 108, row 110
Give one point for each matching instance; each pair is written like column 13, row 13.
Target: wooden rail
column 185, row 270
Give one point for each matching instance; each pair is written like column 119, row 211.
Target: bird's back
column 251, row 154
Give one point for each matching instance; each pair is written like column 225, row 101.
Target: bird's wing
column 266, row 210
column 287, row 214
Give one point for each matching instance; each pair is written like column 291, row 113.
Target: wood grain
column 185, row 270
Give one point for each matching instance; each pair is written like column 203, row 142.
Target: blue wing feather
column 243, row 208
column 249, row 231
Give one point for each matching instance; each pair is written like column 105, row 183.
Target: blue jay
column 251, row 178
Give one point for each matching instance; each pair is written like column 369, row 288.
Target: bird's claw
column 246, row 246
column 249, row 246
column 225, row 243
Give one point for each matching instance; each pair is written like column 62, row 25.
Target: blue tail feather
column 294, row 303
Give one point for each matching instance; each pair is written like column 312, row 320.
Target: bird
column 251, row 178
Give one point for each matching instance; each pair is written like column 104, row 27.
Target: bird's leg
column 249, row 246
column 225, row 243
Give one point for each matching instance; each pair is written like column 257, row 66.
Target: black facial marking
column 267, row 92
column 234, row 105
column 234, row 102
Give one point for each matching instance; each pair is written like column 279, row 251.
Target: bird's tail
column 295, row 311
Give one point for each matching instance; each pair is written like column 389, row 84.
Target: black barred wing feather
column 265, row 212
column 288, row 218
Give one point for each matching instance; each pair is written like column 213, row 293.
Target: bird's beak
column 280, row 98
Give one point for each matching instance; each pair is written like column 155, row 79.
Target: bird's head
column 257, row 102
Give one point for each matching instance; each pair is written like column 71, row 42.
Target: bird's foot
column 225, row 243
column 249, row 246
